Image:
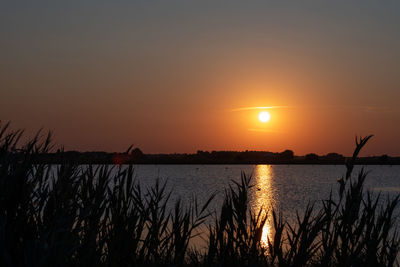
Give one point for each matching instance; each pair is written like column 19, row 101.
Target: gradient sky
column 169, row 76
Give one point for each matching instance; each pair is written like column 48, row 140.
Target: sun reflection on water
column 264, row 197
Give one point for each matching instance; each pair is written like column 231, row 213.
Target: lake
column 287, row 188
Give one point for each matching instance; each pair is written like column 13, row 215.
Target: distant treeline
column 136, row 156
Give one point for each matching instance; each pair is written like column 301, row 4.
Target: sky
column 182, row 76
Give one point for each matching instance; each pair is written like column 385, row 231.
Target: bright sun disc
column 264, row 116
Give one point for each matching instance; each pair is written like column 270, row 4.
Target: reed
column 102, row 216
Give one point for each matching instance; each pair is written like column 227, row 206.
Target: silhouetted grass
column 96, row 216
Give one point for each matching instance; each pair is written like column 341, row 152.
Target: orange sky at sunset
column 182, row 77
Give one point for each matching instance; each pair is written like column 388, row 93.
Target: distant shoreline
column 206, row 158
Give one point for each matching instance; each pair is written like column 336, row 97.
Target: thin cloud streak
column 263, row 131
column 369, row 109
column 254, row 108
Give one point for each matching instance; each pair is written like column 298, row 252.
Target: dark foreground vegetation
column 87, row 216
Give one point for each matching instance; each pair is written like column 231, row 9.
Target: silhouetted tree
column 287, row 155
column 136, row 153
column 312, row 156
column 334, row 156
column 384, row 158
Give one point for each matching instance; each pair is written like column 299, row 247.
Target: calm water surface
column 287, row 188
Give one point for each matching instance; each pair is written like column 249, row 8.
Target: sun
column 264, row 116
